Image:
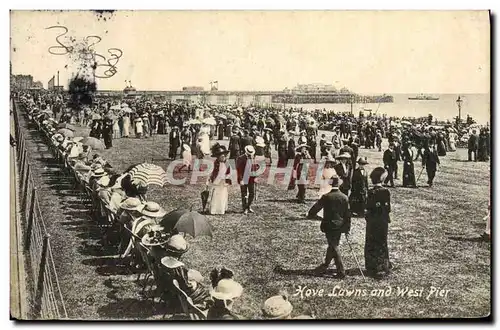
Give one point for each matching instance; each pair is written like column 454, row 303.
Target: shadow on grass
column 475, row 239
column 131, row 308
column 112, row 266
column 331, row 273
column 96, row 250
column 291, row 200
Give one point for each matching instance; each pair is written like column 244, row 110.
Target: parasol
column 209, row 121
column 96, row 116
column 67, row 126
column 66, row 132
column 404, row 122
column 221, row 116
column 193, row 122
column 94, row 143
column 148, row 174
column 188, row 222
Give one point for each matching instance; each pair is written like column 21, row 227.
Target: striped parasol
column 148, row 174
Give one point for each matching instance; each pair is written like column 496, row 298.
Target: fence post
column 23, row 162
column 39, row 290
column 24, row 183
column 31, row 218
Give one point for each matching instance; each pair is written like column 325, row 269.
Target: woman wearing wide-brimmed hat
column 219, row 181
column 224, row 294
column 359, row 188
column 378, row 208
column 301, row 160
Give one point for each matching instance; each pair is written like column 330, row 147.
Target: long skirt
column 357, row 201
column 441, row 149
column 409, row 174
column 282, row 159
column 452, row 146
column 376, row 249
column 126, row 127
column 219, row 199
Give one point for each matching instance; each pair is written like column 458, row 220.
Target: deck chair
column 187, row 305
column 144, row 253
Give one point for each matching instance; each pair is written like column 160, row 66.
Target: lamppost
column 459, row 104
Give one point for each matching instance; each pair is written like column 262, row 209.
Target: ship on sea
column 423, row 97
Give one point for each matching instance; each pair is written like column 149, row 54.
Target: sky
column 368, row 52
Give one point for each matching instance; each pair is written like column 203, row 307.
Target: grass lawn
column 432, row 242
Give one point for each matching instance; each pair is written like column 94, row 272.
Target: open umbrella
column 193, row 122
column 188, row 222
column 221, row 116
column 148, row 174
column 67, row 126
column 94, row 143
column 66, row 132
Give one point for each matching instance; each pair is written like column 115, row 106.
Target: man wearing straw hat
column 235, row 143
column 336, row 220
column 245, row 165
column 344, row 172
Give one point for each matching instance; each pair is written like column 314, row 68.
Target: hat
column 344, row 155
column 218, row 150
column 378, row 175
column 303, row 317
column 171, row 262
column 194, row 275
column 99, row 172
column 277, row 307
column 362, row 161
column 59, row 137
column 104, row 181
column 132, row 204
column 259, row 141
column 227, row 289
column 328, row 144
column 249, row 150
column 186, row 147
column 268, row 129
column 153, row 209
column 177, row 243
column 175, row 127
column 301, row 146
column 77, row 138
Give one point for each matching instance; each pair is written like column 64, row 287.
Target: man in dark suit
column 390, row 163
column 344, row 172
column 246, row 140
column 300, row 160
column 174, row 141
column 473, row 145
column 430, row 161
column 336, row 220
column 245, row 165
column 234, row 144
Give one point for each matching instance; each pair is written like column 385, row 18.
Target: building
column 313, row 88
column 21, row 81
column 37, row 85
column 193, row 89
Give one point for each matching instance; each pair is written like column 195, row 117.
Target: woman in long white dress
column 126, row 125
column 138, row 127
column 453, row 138
column 219, row 181
column 328, row 171
column 204, row 143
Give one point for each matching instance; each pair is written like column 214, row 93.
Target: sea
column 475, row 105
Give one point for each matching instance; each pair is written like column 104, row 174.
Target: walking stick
column 354, row 255
column 421, row 171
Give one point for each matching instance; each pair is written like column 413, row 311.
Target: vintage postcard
column 242, row 165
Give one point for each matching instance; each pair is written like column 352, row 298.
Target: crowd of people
column 252, row 134
column 120, row 204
